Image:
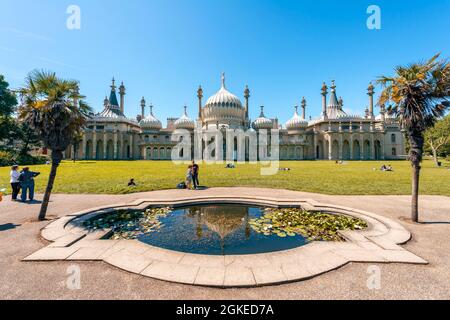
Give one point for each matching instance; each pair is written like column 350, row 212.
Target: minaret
column 370, row 93
column 143, row 108
column 246, row 96
column 303, row 108
column 200, row 96
column 324, row 101
column 122, row 98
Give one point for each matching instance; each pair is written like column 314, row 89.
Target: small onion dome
column 185, row 122
column 150, row 122
column 296, row 122
column 262, row 122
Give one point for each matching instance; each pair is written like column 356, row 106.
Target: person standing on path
column 15, row 183
column 27, row 183
column 195, row 170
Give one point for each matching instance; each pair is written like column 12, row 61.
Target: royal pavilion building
column 334, row 135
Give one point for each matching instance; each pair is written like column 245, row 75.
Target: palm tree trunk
column 416, row 141
column 56, row 159
column 415, row 193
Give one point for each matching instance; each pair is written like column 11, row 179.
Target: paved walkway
column 20, row 237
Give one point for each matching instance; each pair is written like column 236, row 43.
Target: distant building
column 335, row 135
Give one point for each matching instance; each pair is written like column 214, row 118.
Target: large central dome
column 224, row 108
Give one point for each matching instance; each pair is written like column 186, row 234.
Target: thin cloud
column 51, row 61
column 26, row 34
column 59, row 63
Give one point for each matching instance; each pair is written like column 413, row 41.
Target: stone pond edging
column 379, row 243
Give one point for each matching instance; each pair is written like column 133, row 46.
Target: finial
column 200, row 92
column 324, row 88
column 333, row 85
column 113, row 85
column 185, row 110
column 151, row 109
column 296, row 109
column 341, row 101
column 247, row 92
column 262, row 111
column 303, row 102
column 370, row 89
column 143, row 102
column 223, row 79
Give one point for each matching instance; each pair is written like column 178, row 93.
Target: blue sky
column 164, row 49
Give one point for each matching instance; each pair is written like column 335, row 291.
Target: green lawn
column 311, row 176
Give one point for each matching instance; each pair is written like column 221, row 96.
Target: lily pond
column 225, row 229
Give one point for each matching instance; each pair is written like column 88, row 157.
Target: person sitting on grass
column 26, row 179
column 132, row 183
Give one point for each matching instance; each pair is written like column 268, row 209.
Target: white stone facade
column 335, row 135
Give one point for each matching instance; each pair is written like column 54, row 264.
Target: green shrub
column 8, row 158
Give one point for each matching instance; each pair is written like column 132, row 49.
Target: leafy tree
column 438, row 137
column 420, row 93
column 8, row 103
column 50, row 108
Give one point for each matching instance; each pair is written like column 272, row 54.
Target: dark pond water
column 216, row 230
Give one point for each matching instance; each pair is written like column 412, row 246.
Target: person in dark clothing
column 26, row 179
column 195, row 170
column 132, row 183
column 15, row 183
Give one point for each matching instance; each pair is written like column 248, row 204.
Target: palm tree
column 420, row 95
column 50, row 107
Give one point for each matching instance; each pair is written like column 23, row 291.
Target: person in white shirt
column 15, row 183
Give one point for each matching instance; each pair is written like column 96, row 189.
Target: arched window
column 393, row 138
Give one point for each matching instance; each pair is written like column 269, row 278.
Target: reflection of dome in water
column 223, row 220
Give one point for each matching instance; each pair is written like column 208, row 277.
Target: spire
column 370, row 93
column 143, row 107
column 113, row 97
column 246, row 96
column 223, row 80
column 324, row 101
column 185, row 111
column 334, row 103
column 122, row 97
column 151, row 109
column 303, row 108
column 200, row 96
